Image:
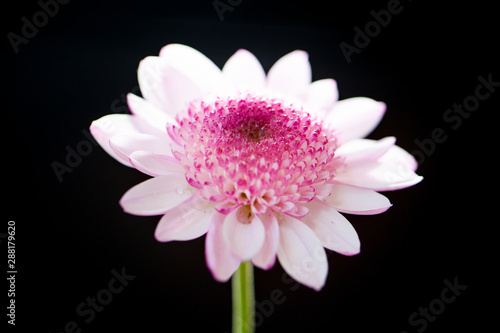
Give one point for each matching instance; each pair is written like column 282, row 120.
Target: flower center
column 252, row 124
column 255, row 151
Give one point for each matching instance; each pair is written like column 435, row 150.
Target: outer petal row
column 357, row 200
column 301, row 253
column 244, row 71
column 155, row 164
column 266, row 257
column 157, row 195
column 125, row 144
column 333, row 229
column 377, row 165
column 355, row 117
column 189, row 220
column 221, row 261
column 244, row 235
column 298, row 244
column 104, row 128
column 120, row 135
column 291, row 74
column 320, row 97
column 179, row 75
column 360, row 150
column 154, row 120
column 230, row 242
column 378, row 176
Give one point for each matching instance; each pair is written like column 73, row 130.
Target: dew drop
column 179, row 190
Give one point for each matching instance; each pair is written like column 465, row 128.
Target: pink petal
column 106, row 127
column 291, row 74
column 332, row 228
column 150, row 78
column 227, row 206
column 154, row 120
column 155, row 165
column 243, row 70
column 245, row 235
column 189, row 220
column 359, row 150
column 357, row 200
column 378, row 176
column 195, row 66
column 298, row 211
column 125, row 144
column 156, row 196
column 322, row 191
column 320, row 97
column 166, row 86
column 355, row 117
column 266, row 257
column 221, row 261
column 190, row 60
column 301, row 253
column 399, row 156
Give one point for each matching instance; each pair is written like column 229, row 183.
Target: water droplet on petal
column 179, row 190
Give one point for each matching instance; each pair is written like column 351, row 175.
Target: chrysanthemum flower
column 264, row 165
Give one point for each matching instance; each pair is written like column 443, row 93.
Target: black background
column 71, row 234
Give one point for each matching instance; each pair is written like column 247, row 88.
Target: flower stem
column 243, row 299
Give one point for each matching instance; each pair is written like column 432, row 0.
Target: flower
column 264, row 165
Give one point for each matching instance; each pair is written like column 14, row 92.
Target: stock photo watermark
column 223, row 6
column 74, row 155
column 425, row 315
column 119, row 105
column 31, row 26
column 265, row 308
column 88, row 309
column 455, row 116
column 363, row 36
column 11, row 271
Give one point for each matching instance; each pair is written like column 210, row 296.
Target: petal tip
column 301, row 53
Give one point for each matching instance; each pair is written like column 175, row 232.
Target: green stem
column 243, row 299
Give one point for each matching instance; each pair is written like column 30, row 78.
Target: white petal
column 155, row 165
column 244, row 71
column 357, row 200
column 291, row 74
column 323, row 190
column 166, row 86
column 244, row 235
column 150, row 78
column 332, row 228
column 359, row 150
column 221, row 261
column 106, row 127
column 320, row 97
column 195, row 66
column 355, row 117
column 266, row 257
column 125, row 144
column 156, row 196
column 193, row 61
column 378, row 176
column 154, row 120
column 301, row 253
column 399, row 156
column 189, row 220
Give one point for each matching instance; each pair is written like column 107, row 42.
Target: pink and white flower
column 264, row 165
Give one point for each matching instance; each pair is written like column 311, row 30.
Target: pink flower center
column 255, row 151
